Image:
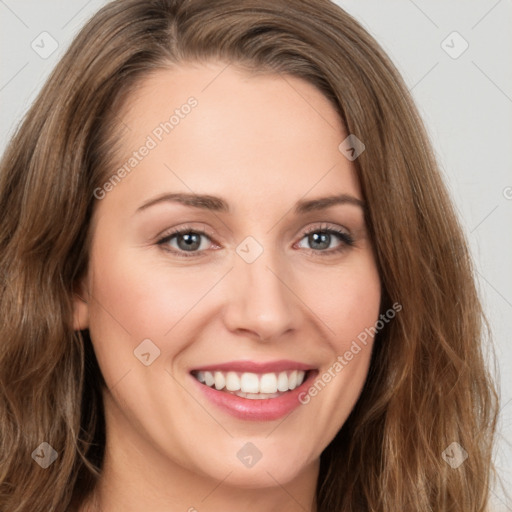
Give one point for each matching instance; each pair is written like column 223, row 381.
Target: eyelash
column 346, row 239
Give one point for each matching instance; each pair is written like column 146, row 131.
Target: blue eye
column 320, row 239
column 188, row 241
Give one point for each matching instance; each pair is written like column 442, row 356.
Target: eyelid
column 185, row 228
column 325, row 226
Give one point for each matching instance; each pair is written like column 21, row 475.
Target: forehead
column 216, row 129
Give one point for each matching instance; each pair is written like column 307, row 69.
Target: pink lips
column 256, row 367
column 256, row 410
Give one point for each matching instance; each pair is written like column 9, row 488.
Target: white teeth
column 220, row 381
column 268, row 383
column 208, row 379
column 232, row 381
column 282, row 382
column 292, row 380
column 249, row 383
column 252, row 385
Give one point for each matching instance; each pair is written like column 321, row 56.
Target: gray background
column 466, row 103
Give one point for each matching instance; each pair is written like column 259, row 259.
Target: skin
column 261, row 142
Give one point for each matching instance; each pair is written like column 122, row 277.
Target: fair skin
column 261, row 143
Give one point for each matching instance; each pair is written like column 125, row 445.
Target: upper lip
column 256, row 366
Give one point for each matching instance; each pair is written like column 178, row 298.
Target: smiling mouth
column 254, row 386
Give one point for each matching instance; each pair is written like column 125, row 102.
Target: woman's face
column 264, row 288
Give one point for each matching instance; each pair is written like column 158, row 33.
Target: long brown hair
column 427, row 387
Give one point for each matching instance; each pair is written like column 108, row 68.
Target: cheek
column 136, row 298
column 347, row 300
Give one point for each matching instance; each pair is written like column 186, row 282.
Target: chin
column 275, row 467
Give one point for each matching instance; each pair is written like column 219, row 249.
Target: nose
column 261, row 302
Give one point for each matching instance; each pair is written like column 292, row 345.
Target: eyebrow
column 217, row 204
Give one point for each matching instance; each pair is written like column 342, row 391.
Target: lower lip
column 267, row 409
